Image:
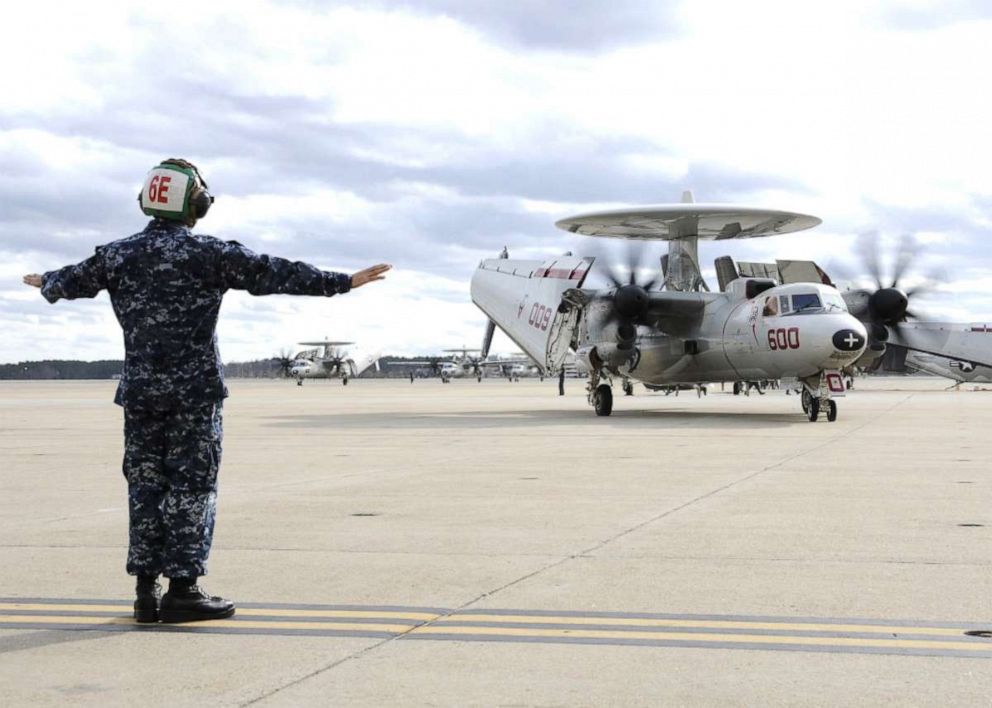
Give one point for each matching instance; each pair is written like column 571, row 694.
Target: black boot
column 149, row 594
column 187, row 602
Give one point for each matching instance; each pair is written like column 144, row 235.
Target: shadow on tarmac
column 620, row 419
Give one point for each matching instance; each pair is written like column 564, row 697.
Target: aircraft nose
column 850, row 339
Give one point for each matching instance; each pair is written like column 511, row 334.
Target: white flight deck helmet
column 175, row 190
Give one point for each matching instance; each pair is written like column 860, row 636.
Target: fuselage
column 315, row 369
column 784, row 331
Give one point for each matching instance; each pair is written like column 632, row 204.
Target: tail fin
column 726, row 271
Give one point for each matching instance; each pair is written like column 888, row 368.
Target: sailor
column 166, row 285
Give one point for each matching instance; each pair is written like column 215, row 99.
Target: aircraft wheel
column 814, row 410
column 737, row 388
column 831, row 410
column 479, row 379
column 299, row 382
column 806, row 398
column 344, row 381
column 628, row 388
column 603, row 400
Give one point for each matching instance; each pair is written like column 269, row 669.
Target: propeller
column 283, row 363
column 336, row 359
column 888, row 300
column 629, row 297
column 885, row 303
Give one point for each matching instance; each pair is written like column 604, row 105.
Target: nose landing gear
column 816, row 398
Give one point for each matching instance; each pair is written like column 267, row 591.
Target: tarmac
column 489, row 544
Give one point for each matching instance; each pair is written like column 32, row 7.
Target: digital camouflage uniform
column 166, row 286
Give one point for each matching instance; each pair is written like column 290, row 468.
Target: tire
column 737, row 388
column 344, row 381
column 814, row 410
column 603, row 400
column 806, row 398
column 831, row 410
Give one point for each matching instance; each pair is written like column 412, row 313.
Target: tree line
column 71, row 369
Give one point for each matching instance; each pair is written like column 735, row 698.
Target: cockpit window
column 806, row 301
column 834, row 302
column 783, row 304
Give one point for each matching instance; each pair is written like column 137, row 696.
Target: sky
column 431, row 133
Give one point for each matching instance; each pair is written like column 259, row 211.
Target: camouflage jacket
column 166, row 286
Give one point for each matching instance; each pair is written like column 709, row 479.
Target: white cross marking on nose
column 851, row 340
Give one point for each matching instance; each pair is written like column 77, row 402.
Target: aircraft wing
column 508, row 362
column 416, row 363
column 672, row 303
column 785, row 272
column 966, row 343
column 363, row 362
column 675, row 312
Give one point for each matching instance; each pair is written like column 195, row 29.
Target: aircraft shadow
column 621, row 419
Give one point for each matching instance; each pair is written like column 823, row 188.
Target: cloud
column 560, row 25
column 431, row 134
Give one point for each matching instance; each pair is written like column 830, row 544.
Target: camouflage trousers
column 170, row 463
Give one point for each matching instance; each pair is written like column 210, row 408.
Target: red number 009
column 783, row 338
column 540, row 317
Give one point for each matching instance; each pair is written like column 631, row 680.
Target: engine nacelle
column 609, row 356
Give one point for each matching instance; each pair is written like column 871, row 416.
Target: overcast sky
column 431, row 133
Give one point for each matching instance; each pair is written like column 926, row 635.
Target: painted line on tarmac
column 904, row 637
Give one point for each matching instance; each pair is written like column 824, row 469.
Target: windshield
column 835, row 302
column 806, row 301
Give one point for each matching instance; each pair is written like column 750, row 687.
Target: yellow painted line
column 701, row 638
column 524, row 632
column 44, row 607
column 236, row 624
column 39, row 619
column 247, row 612
column 704, row 624
column 646, row 622
column 353, row 614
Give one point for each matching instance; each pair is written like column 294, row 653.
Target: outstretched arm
column 84, row 279
column 243, row 269
column 369, row 275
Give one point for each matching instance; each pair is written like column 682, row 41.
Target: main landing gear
column 603, row 399
column 600, row 395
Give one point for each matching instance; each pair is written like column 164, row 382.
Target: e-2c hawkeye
column 671, row 330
